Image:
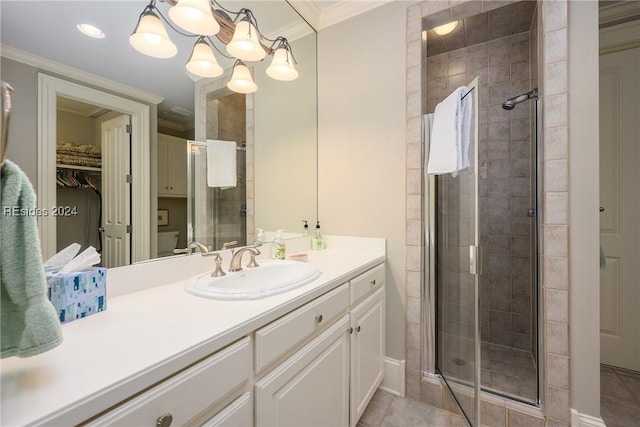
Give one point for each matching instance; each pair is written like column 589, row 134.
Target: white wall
column 361, row 152
column 584, row 232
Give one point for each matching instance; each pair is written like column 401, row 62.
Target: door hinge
column 129, row 179
column 128, row 129
column 129, row 229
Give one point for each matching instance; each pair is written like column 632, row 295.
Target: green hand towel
column 29, row 324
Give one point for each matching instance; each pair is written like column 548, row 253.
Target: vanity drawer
column 188, row 393
column 367, row 283
column 280, row 336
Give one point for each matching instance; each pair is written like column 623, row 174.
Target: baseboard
column 393, row 381
column 584, row 420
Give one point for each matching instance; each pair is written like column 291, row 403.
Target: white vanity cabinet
column 172, row 166
column 330, row 380
column 193, row 394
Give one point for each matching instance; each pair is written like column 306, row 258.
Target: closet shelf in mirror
column 78, row 168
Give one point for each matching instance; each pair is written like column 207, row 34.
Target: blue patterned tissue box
column 78, row 295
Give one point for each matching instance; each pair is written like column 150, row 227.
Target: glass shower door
column 457, row 267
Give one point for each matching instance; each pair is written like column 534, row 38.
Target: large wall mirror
column 78, row 95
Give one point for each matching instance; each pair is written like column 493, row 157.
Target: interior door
column 457, row 268
column 116, row 192
column 620, row 198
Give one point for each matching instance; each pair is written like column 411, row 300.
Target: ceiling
column 58, row 40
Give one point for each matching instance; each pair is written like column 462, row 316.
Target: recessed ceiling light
column 446, row 28
column 91, row 31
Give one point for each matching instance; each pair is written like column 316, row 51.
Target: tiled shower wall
column 554, row 86
column 503, row 69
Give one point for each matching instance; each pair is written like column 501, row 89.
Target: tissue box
column 77, row 295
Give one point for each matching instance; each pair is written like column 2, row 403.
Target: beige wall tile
column 413, row 386
column 493, row 415
column 413, row 335
column 558, row 371
column 556, row 143
column 414, row 23
column 431, row 394
column 413, row 309
column 555, row 110
column 557, row 338
column 414, row 233
column 414, row 76
column 556, row 240
column 413, row 359
column 414, row 52
column 555, row 423
column 555, row 46
column 518, row 419
column 556, row 208
column 430, row 7
column 414, row 132
column 555, row 78
column 414, row 207
column 556, row 272
column 557, row 403
column 413, row 104
column 414, row 155
column 556, row 175
column 413, row 258
column 557, row 305
column 554, row 15
column 414, row 182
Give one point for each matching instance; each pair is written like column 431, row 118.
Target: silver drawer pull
column 358, row 329
column 319, row 318
column 164, row 420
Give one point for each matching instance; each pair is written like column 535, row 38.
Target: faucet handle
column 227, row 245
column 218, row 271
column 253, row 263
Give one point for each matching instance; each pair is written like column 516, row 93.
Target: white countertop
column 146, row 335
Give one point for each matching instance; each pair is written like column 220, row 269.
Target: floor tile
column 377, row 408
column 411, row 413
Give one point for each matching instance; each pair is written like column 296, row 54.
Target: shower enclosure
column 482, row 231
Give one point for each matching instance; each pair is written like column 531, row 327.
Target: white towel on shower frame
column 221, row 164
column 448, row 153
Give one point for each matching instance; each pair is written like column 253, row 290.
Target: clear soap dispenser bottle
column 279, row 248
column 317, row 241
column 305, row 228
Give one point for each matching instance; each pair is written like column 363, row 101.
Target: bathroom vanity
column 161, row 356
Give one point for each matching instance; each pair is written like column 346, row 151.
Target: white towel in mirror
column 221, row 164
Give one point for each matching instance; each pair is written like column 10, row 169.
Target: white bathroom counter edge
column 114, row 354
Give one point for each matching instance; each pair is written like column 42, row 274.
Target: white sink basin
column 271, row 278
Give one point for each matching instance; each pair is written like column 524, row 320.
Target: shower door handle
column 475, row 261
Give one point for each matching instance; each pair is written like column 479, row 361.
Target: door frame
column 49, row 88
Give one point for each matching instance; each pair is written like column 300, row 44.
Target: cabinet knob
column 164, row 420
column 350, row 330
column 373, row 282
column 358, row 329
column 171, row 188
column 319, row 318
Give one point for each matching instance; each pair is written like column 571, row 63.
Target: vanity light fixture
column 445, row 29
column 91, row 31
column 202, row 19
column 241, row 80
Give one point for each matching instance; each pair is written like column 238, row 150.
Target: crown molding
column 309, row 10
column 619, row 12
column 341, row 11
column 86, row 77
column 173, row 125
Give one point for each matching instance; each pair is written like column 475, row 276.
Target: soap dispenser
column 317, row 241
column 305, row 229
column 279, row 248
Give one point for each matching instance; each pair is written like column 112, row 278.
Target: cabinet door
column 163, row 172
column 367, row 352
column 177, row 165
column 311, row 388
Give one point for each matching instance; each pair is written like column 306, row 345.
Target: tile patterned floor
column 387, row 410
column 509, row 371
column 619, row 397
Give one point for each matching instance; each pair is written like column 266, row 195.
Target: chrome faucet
column 235, row 264
column 191, row 247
